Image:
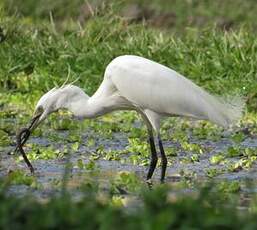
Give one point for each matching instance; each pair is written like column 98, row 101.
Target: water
column 49, row 173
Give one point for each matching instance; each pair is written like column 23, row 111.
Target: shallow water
column 49, row 173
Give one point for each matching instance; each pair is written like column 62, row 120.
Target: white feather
column 153, row 86
column 154, row 90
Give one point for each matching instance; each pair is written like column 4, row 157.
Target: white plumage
column 154, row 90
column 152, row 86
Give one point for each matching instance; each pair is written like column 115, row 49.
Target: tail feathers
column 226, row 111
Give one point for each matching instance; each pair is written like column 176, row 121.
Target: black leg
column 154, row 158
column 163, row 159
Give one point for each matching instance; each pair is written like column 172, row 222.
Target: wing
column 150, row 85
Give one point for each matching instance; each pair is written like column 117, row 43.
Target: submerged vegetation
column 41, row 45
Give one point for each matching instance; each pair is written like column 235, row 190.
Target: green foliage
column 156, row 210
column 205, row 130
column 229, row 187
column 40, row 50
column 4, row 138
column 19, row 177
column 126, row 182
column 234, row 151
column 191, row 147
column 238, row 138
column 212, row 172
column 44, row 153
column 212, row 59
column 217, row 159
column 88, row 166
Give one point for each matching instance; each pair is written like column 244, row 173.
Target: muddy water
column 49, row 173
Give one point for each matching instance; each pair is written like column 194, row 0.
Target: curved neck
column 87, row 107
column 81, row 105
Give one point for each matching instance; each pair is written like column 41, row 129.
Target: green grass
column 39, row 52
column 38, row 58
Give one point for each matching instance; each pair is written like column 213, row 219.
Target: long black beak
column 34, row 121
column 25, row 137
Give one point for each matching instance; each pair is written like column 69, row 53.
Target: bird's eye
column 40, row 109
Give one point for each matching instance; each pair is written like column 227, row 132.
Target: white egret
column 153, row 90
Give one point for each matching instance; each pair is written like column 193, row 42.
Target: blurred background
column 172, row 15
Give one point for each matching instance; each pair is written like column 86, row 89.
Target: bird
column 151, row 89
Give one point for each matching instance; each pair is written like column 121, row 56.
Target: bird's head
column 68, row 97
column 55, row 99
